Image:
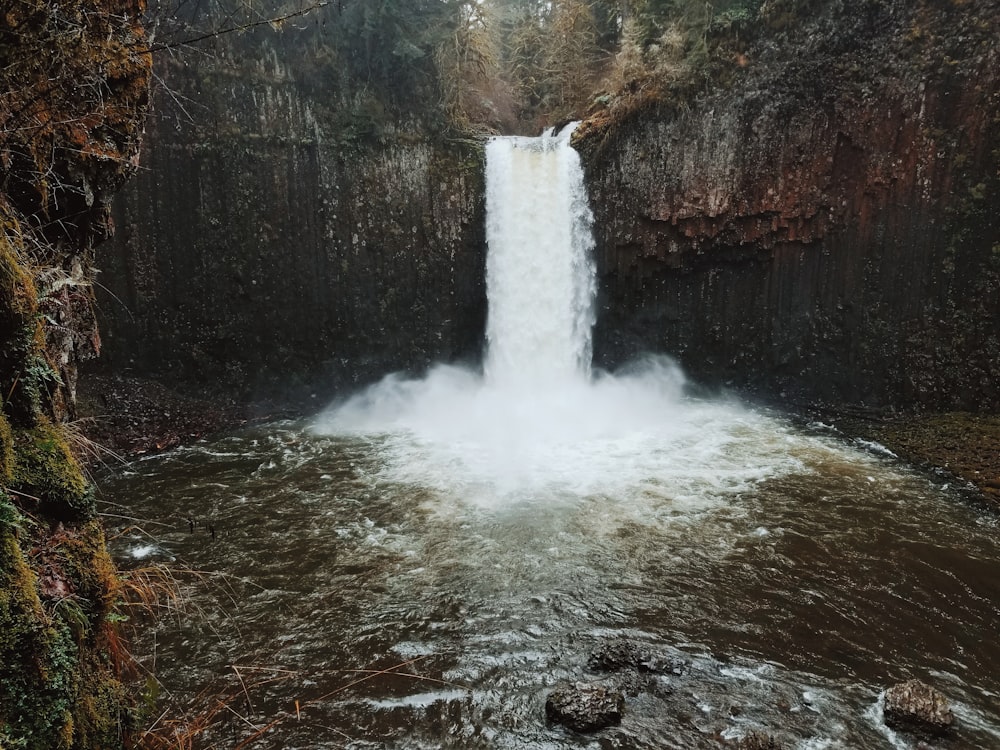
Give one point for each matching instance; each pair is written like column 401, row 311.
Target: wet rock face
column 585, row 706
column 917, row 707
column 270, row 249
column 815, row 225
column 758, row 741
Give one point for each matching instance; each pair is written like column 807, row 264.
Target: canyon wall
column 810, row 216
column 818, row 221
column 286, row 237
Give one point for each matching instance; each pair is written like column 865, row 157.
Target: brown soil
column 132, row 416
column 966, row 445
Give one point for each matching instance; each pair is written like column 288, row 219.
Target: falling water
column 417, row 566
column 538, row 425
column 539, row 273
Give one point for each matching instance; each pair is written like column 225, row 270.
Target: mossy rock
column 6, row 454
column 37, row 660
column 58, row 689
column 87, row 564
column 18, row 300
column 23, row 368
column 46, row 470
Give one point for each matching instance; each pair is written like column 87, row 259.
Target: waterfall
column 536, row 424
column 539, row 273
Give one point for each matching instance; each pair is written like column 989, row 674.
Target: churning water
column 419, row 565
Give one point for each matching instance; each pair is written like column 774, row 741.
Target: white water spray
column 539, row 272
column 538, row 425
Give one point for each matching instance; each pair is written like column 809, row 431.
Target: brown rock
column 917, row 707
column 585, row 706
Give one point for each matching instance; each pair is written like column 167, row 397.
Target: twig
column 241, row 27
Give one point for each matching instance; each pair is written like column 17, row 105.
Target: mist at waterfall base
column 419, row 565
column 537, row 425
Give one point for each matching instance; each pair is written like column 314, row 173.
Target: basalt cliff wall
column 819, row 221
column 287, row 238
column 810, row 216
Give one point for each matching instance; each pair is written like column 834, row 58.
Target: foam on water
column 455, row 432
column 536, row 425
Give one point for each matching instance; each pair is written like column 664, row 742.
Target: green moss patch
column 58, row 687
column 37, row 660
column 46, row 470
column 20, row 331
column 6, row 453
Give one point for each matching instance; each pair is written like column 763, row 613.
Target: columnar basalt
column 816, row 223
column 287, row 237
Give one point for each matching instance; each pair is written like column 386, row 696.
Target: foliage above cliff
column 472, row 66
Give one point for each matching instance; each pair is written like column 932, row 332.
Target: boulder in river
column 614, row 656
column 917, row 707
column 585, row 706
column 758, row 741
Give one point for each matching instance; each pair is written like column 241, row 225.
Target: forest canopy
column 475, row 65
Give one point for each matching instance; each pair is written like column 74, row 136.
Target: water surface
column 795, row 575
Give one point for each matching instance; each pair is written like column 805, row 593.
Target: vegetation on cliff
column 73, row 92
column 829, row 171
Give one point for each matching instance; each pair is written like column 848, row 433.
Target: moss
column 6, row 452
column 17, row 290
column 102, row 714
column 20, row 329
column 58, row 689
column 45, row 469
column 37, row 660
column 87, row 563
column 26, row 375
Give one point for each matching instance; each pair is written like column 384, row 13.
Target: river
column 418, row 565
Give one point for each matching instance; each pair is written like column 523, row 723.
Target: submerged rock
column 618, row 655
column 917, row 707
column 758, row 741
column 585, row 706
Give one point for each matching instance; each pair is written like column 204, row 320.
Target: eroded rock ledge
column 815, row 223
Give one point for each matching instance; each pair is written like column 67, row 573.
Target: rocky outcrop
column 585, row 706
column 73, row 91
column 916, row 707
column 285, row 238
column 618, row 655
column 816, row 222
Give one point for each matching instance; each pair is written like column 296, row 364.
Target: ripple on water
column 795, row 586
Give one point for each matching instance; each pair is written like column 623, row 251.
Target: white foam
column 537, row 426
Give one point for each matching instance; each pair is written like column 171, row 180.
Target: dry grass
column 86, row 449
column 216, row 718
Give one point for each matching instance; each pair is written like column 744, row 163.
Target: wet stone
column 585, row 706
column 917, row 707
column 615, row 656
column 758, row 741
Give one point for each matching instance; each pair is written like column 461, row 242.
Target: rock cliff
column 287, row 236
column 73, row 92
column 816, row 219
